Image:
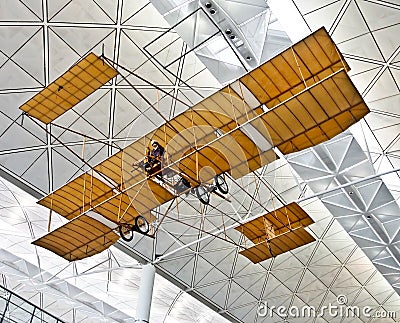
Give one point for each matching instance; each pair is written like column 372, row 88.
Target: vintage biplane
column 296, row 100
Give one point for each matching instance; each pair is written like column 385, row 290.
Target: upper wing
column 306, row 119
column 300, row 66
column 81, row 80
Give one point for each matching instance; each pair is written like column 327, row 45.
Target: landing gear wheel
column 221, row 184
column 125, row 232
column 203, row 195
column 142, row 225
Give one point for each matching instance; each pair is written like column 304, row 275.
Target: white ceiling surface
column 34, row 52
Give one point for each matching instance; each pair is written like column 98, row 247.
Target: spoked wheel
column 221, row 184
column 203, row 195
column 142, row 225
column 125, row 232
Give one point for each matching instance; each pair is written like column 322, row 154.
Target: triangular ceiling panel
column 387, row 40
column 340, row 203
column 327, row 274
column 131, row 53
column 26, row 160
column 39, row 171
column 125, row 113
column 309, row 297
column 20, row 11
column 223, row 258
column 254, row 283
column 35, row 6
column 245, row 313
column 289, row 277
column 283, row 262
column 381, row 197
column 379, row 15
column 26, row 139
column 30, row 57
column 91, row 39
column 185, row 273
column 275, row 289
column 141, row 18
column 14, row 37
column 325, row 15
column 216, row 292
column 363, row 79
column 87, row 11
column 61, row 56
column 363, row 46
column 239, row 296
column 214, row 275
column 351, row 24
column 16, row 77
column 63, row 160
column 130, row 8
column 384, row 86
column 323, row 256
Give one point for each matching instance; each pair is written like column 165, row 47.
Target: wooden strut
column 287, row 217
column 165, row 141
column 195, row 145
column 91, row 189
column 232, row 105
column 120, row 197
column 267, row 239
column 130, row 203
column 164, row 215
column 341, row 60
column 50, row 213
column 223, row 224
column 297, row 63
column 84, row 176
column 243, row 100
column 177, row 208
column 202, row 221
